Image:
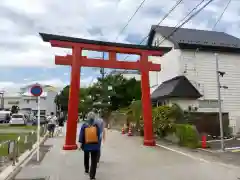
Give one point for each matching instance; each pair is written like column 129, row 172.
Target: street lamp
column 220, row 73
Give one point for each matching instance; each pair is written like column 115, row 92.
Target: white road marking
column 197, row 158
column 183, row 153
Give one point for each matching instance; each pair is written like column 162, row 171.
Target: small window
column 208, row 103
column 27, row 101
column 17, row 116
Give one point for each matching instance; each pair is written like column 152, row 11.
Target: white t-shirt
column 53, row 120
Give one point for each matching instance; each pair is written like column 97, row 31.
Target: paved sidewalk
column 125, row 158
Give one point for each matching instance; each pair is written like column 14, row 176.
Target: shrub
column 136, row 109
column 163, row 121
column 188, row 135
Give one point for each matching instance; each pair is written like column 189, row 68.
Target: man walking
column 89, row 139
column 52, row 121
column 99, row 121
column 61, row 124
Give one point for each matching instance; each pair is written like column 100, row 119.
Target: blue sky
column 26, row 59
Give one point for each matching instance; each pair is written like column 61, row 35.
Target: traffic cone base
column 123, row 131
column 130, row 132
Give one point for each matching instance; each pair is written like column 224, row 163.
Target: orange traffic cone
column 123, row 131
column 130, row 131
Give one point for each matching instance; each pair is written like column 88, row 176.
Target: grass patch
column 31, row 138
column 4, row 126
column 22, row 144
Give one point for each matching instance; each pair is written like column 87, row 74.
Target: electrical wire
column 187, row 20
column 164, row 17
column 221, row 15
column 179, row 26
column 130, row 19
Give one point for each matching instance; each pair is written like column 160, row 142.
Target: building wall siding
column 169, row 64
column 200, row 68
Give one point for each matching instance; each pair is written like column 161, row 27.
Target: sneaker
column 92, row 178
column 86, row 172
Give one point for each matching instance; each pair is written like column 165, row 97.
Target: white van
column 18, row 119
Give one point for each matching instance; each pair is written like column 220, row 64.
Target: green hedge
column 188, row 135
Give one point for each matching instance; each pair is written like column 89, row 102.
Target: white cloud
column 11, row 87
column 21, row 21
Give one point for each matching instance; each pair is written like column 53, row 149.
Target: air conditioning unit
column 192, row 108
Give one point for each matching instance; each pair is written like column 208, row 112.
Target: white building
column 25, row 100
column 192, row 56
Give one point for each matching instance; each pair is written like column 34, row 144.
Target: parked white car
column 18, row 119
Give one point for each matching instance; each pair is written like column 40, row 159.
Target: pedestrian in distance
column 101, row 124
column 61, row 124
column 89, row 139
column 52, row 121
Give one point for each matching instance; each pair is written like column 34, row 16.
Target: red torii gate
column 76, row 61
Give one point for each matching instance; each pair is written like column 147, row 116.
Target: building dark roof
column 48, row 37
column 177, row 87
column 185, row 38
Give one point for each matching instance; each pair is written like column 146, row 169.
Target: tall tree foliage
column 123, row 92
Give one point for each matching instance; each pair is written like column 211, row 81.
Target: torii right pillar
column 149, row 139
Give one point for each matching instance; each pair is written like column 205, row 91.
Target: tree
column 86, row 102
column 14, row 109
column 136, row 109
column 123, row 92
column 61, row 99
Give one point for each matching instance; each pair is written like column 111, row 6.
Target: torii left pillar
column 70, row 142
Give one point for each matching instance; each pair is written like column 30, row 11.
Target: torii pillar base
column 149, row 143
column 70, row 147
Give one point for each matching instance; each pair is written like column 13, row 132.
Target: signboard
column 36, row 90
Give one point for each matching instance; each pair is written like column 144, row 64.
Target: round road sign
column 36, row 90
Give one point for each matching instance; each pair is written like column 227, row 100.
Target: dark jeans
column 99, row 155
column 94, row 158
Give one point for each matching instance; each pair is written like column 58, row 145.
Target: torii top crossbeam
column 112, row 48
column 86, row 44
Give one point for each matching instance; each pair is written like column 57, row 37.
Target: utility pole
column 220, row 73
column 2, row 99
column 102, row 71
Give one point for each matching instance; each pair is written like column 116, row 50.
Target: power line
column 121, row 31
column 220, row 17
column 130, row 19
column 188, row 19
column 164, row 17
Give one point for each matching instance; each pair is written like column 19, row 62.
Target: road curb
column 208, row 150
column 11, row 170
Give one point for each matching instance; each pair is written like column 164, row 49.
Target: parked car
column 18, row 119
column 43, row 120
column 5, row 116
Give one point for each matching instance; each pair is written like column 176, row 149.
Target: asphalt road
column 228, row 144
column 125, row 158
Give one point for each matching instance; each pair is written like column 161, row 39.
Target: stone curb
column 8, row 172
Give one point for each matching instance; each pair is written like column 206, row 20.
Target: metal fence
column 12, row 149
